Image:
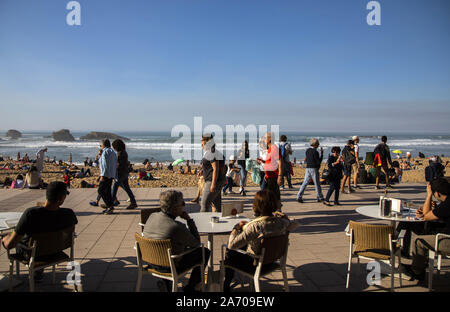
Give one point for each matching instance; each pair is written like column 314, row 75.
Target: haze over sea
column 158, row 145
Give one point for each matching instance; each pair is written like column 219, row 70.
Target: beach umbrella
column 178, row 161
column 397, row 152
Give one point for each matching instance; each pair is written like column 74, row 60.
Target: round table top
column 206, row 226
column 373, row 211
column 10, row 217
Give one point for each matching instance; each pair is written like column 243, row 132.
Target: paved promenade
column 317, row 258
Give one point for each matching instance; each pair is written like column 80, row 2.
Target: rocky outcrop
column 97, row 136
column 63, row 135
column 13, row 134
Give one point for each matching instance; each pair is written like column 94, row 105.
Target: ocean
column 157, row 146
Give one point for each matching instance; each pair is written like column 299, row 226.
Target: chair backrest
column 145, row 213
column 275, row 247
column 154, row 251
column 371, row 236
column 52, row 242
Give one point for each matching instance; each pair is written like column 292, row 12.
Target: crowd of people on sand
column 216, row 178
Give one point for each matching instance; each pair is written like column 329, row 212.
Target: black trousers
column 334, row 187
column 104, row 190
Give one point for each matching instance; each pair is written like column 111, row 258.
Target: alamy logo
column 74, row 276
column 74, row 16
column 374, row 276
column 374, row 16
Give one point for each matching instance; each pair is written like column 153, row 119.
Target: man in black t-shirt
column 421, row 244
column 45, row 219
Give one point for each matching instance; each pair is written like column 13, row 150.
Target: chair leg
column 439, row 259
column 222, row 276
column 286, row 285
column 399, row 270
column 431, row 255
column 392, row 273
column 31, row 279
column 348, row 270
column 139, row 281
column 256, row 283
column 11, row 273
column 175, row 285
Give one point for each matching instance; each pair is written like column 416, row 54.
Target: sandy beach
column 168, row 178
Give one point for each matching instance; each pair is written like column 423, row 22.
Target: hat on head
column 355, row 137
column 232, row 157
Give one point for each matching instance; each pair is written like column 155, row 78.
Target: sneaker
column 128, row 200
column 39, row 276
column 356, row 186
column 281, row 187
column 327, row 203
column 108, row 211
column 93, row 203
column 116, row 203
column 132, row 206
column 300, row 200
column 408, row 271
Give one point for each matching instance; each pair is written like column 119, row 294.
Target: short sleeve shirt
column 42, row 220
column 271, row 163
column 442, row 211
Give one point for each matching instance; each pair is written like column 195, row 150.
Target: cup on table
column 215, row 219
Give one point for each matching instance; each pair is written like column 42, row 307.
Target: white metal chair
column 272, row 255
column 374, row 242
column 44, row 250
column 432, row 256
column 159, row 253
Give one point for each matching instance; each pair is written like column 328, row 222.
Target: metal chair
column 374, row 242
column 273, row 256
column 159, row 253
column 44, row 250
column 145, row 214
column 432, row 256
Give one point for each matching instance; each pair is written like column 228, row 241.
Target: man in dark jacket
column 382, row 157
column 313, row 161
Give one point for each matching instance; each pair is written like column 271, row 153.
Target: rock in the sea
column 13, row 134
column 97, row 136
column 63, row 135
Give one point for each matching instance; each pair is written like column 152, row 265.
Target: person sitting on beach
column 398, row 172
column 83, row 173
column 162, row 225
column 269, row 222
column 18, row 182
column 32, row 179
column 48, row 218
column 84, row 184
column 435, row 170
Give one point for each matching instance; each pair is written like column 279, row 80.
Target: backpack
column 284, row 153
column 380, row 149
column 348, row 157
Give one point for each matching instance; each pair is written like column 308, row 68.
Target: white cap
column 355, row 137
column 232, row 157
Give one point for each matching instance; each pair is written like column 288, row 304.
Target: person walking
column 335, row 167
column 357, row 164
column 40, row 156
column 382, row 157
column 108, row 172
column 244, row 154
column 122, row 174
column 213, row 165
column 348, row 155
column 285, row 151
column 313, row 161
column 273, row 168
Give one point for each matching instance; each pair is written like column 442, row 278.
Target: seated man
column 45, row 219
column 162, row 225
column 249, row 235
column 420, row 244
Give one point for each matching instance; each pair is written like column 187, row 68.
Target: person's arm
column 426, row 211
column 215, row 166
column 11, row 240
column 239, row 237
column 280, row 171
column 190, row 238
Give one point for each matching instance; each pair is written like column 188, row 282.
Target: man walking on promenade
column 285, row 151
column 313, row 161
column 108, row 170
column 381, row 159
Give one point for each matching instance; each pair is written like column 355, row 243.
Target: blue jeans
column 123, row 182
column 314, row 174
column 229, row 185
column 287, row 174
column 243, row 173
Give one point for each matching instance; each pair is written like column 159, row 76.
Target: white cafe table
column 8, row 221
column 206, row 226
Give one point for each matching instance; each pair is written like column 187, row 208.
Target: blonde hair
column 314, row 142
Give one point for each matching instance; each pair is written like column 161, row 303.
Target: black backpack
column 381, row 149
column 349, row 158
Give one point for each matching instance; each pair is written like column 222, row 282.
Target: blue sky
column 149, row 65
